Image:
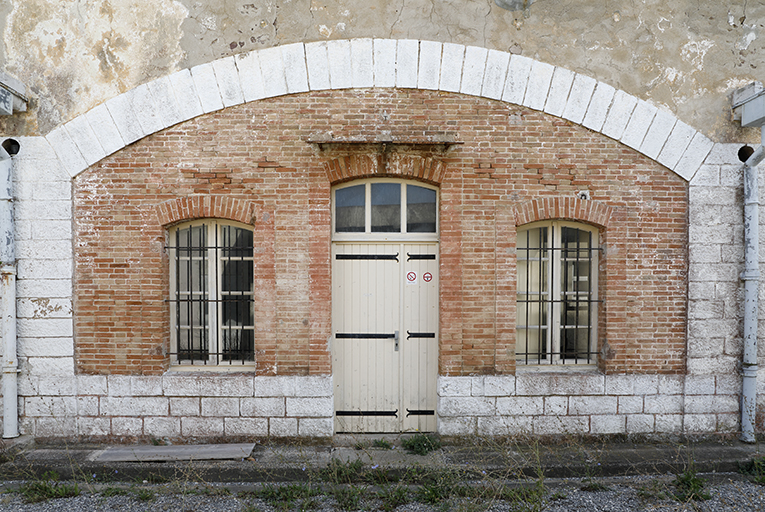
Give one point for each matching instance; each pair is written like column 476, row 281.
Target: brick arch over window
column 418, row 167
column 198, row 207
column 567, row 208
column 379, row 63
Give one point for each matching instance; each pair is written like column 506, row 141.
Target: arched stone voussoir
column 382, row 63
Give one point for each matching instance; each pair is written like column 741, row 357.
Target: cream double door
column 385, row 325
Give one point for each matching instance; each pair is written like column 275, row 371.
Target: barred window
column 557, row 293
column 211, row 281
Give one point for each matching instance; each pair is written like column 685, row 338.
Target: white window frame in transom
column 368, row 234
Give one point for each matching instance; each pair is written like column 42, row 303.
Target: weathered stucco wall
column 684, row 56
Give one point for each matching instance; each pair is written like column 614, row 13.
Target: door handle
column 395, row 337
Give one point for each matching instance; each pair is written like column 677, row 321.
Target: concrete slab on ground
column 150, row 453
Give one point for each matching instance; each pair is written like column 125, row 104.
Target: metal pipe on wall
column 8, row 295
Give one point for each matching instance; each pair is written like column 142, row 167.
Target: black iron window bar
column 237, row 343
column 566, row 354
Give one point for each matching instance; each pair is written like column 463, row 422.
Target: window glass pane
column 420, row 209
column 349, row 209
column 386, row 207
column 191, row 292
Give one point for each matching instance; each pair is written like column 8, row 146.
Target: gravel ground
column 650, row 493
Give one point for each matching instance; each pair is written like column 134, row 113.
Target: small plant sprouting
column 590, row 485
column 382, row 443
column 393, row 497
column 144, row 494
column 349, row 497
column 421, row 444
column 47, row 488
column 756, row 469
column 114, row 491
column 690, row 487
column 340, row 472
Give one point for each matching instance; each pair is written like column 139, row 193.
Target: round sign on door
column 427, row 277
column 411, row 278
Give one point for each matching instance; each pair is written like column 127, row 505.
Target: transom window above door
column 385, row 209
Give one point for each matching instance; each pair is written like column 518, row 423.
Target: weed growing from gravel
column 47, row 488
column 145, row 494
column 114, row 491
column 421, row 444
column 349, row 497
column 393, row 496
column 339, row 472
column 755, row 468
column 690, row 487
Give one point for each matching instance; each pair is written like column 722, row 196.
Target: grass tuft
column 421, row 444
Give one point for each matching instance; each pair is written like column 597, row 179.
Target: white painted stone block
column 95, row 427
column 315, row 427
column 91, row 385
column 384, row 55
column 46, row 347
column 52, row 406
column 407, row 62
column 45, row 307
column 53, row 229
column 466, row 406
column 56, row 386
column 314, row 407
column 457, row 426
column 607, row 424
column 146, row 110
column 722, row 154
column 85, row 139
column 694, row 156
column 144, row 385
column 201, row 427
column 121, row 109
column 47, row 288
column 181, row 385
column 520, row 406
column 728, row 423
column 452, row 57
column 295, row 71
column 620, row 384
column 44, row 327
column 220, row 406
column 134, row 406
column 50, row 365
column 473, row 70
column 226, row 385
column 162, row 427
column 582, row 90
column 663, row 404
column 678, row 141
column 206, row 86
column 362, row 67
column 700, row 423
column 713, row 404
column 560, row 86
column 538, row 87
column 494, row 77
column 669, row 423
column 185, row 406
column 599, row 105
column 167, row 104
column 340, row 62
column 49, row 210
column 185, row 92
column 706, row 175
column 278, row 386
column 583, row 405
column 638, row 125
column 641, row 423
column 476, row 386
column 429, row 70
column 227, row 76
column 561, row 425
column 556, row 406
column 728, row 384
column 630, row 404
column 499, row 385
column 619, row 114
column 454, row 386
column 283, row 427
column 565, row 384
column 699, row 385
column 55, row 427
column 245, row 427
column 56, row 249
column 646, row 384
column 119, row 385
column 87, row 405
column 131, row 427
column 67, row 151
column 505, row 426
column 34, row 148
column 313, row 386
column 317, row 63
column 262, row 407
column 658, row 133
column 250, row 76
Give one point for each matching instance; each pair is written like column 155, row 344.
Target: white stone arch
column 364, row 63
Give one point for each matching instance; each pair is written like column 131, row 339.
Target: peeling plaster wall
column 684, row 56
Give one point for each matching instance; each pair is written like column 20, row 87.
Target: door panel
column 379, row 370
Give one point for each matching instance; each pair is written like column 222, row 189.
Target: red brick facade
column 252, row 163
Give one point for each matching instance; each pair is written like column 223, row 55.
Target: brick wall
column 510, row 159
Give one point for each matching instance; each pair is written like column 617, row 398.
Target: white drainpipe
column 8, row 294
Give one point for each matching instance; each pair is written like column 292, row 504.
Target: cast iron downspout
column 751, row 278
column 8, row 294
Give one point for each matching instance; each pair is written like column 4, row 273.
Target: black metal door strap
column 364, row 336
column 367, row 413
column 410, row 257
column 366, row 256
column 420, row 412
column 410, row 335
